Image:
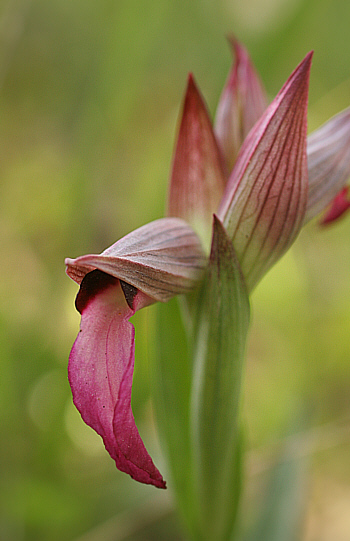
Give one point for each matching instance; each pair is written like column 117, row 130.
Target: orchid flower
column 252, row 174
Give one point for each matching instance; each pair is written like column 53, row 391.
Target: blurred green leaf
column 172, row 375
column 283, row 501
column 282, row 505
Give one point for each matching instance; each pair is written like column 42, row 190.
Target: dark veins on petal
column 130, row 293
column 93, row 283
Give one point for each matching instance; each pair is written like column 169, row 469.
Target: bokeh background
column 90, row 92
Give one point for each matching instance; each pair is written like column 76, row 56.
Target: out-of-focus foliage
column 89, row 95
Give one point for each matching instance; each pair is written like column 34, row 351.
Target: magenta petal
column 100, row 370
column 264, row 203
column 197, row 179
column 241, row 104
column 339, row 205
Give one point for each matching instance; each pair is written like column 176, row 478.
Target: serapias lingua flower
column 153, row 263
column 255, row 178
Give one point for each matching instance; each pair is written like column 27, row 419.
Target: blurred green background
column 89, row 96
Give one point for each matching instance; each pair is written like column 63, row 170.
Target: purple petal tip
column 339, row 206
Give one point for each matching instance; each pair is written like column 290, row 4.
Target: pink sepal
column 264, row 203
column 241, row 104
column 197, row 178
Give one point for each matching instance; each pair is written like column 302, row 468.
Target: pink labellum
column 264, row 203
column 339, row 205
column 197, row 179
column 100, row 372
column 241, row 104
column 162, row 259
column 328, row 153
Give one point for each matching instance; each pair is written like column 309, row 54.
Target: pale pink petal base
column 328, row 153
column 100, row 371
column 163, row 258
